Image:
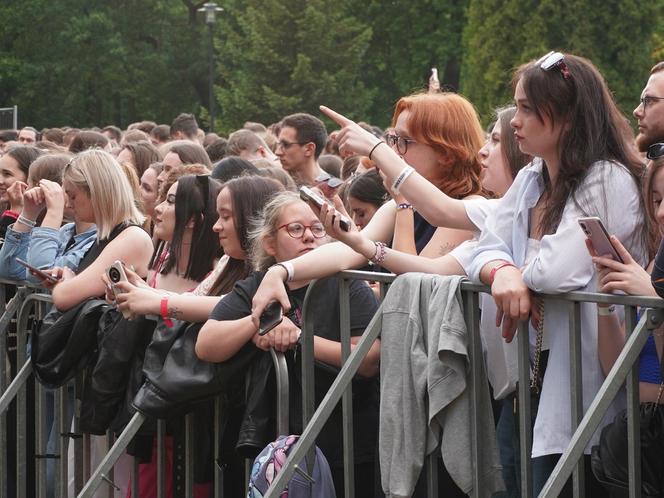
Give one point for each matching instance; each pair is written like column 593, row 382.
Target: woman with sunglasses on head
column 286, row 229
column 586, row 166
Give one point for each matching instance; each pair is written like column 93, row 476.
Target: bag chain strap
column 535, row 382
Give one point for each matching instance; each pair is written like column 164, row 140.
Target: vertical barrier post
column 525, row 427
column 347, row 399
column 62, row 482
column 633, row 414
column 576, row 388
column 189, row 455
column 161, row 458
column 476, row 357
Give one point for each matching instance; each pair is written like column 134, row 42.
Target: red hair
column 448, row 123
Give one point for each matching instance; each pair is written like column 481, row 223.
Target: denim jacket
column 43, row 248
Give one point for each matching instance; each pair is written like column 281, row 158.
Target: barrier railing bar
column 600, row 404
column 218, row 471
column 62, row 483
column 576, row 389
column 431, row 465
column 347, row 398
column 112, row 456
column 322, row 413
column 476, row 358
column 308, row 371
column 12, row 390
column 281, row 372
column 633, row 419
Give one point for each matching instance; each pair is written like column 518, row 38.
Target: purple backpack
column 269, row 463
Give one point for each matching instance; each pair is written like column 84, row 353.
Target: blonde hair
column 265, row 225
column 100, row 175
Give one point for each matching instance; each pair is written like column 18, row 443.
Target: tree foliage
column 94, row 62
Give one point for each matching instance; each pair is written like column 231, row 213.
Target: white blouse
column 563, row 264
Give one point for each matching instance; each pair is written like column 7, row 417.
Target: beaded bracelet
column 379, row 255
column 405, row 205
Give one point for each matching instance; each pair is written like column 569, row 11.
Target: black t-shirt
column 363, row 305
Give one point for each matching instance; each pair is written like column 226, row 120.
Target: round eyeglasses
column 296, row 230
column 399, row 142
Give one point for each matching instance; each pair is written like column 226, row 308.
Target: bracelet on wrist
column 404, row 205
column 25, row 221
column 606, row 310
column 398, row 182
column 288, row 266
column 374, row 148
column 504, row 264
column 163, row 308
column 379, row 255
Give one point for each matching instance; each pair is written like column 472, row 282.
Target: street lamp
column 211, row 9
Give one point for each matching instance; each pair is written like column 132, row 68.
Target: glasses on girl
column 399, row 142
column 296, row 230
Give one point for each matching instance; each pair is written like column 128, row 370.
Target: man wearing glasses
column 302, row 139
column 650, row 111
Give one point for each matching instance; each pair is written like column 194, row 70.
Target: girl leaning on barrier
column 288, row 228
column 586, row 166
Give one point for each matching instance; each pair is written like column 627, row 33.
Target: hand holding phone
column 116, row 274
column 594, row 229
column 308, row 195
column 37, row 272
column 271, row 317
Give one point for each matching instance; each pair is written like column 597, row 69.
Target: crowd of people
column 211, row 230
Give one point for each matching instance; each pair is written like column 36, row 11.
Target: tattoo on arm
column 175, row 312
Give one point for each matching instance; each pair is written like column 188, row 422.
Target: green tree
column 617, row 35
column 277, row 57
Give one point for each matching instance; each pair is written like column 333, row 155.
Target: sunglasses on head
column 554, row 60
column 331, row 181
column 655, row 151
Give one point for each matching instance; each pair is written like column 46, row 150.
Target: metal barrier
column 9, row 117
column 87, row 480
column 625, row 368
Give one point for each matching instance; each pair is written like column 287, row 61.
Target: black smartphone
column 36, row 271
column 308, row 195
column 271, row 317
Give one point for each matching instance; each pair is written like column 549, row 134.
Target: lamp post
column 211, row 9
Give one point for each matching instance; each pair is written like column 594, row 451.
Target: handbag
column 609, row 460
column 175, row 379
column 66, row 342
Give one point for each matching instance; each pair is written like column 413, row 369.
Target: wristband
column 164, row 311
column 374, row 148
column 405, row 205
column 492, row 275
column 379, row 255
column 405, row 173
column 606, row 310
column 10, row 213
column 28, row 223
column 290, row 270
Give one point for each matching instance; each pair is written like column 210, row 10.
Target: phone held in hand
column 36, row 271
column 271, row 317
column 309, row 195
column 116, row 274
column 594, row 229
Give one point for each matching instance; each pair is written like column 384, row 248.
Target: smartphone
column 40, row 273
column 117, row 274
column 271, row 317
column 594, row 229
column 434, row 73
column 308, row 195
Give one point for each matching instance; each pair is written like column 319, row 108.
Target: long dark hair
column 24, row 155
column 195, row 200
column 248, row 196
column 595, row 128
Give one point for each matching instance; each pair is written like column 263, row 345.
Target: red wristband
column 164, row 311
column 492, row 275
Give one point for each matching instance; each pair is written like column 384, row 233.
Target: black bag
column 107, row 382
column 66, row 342
column 176, row 379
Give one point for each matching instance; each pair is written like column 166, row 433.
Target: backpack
column 269, row 463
